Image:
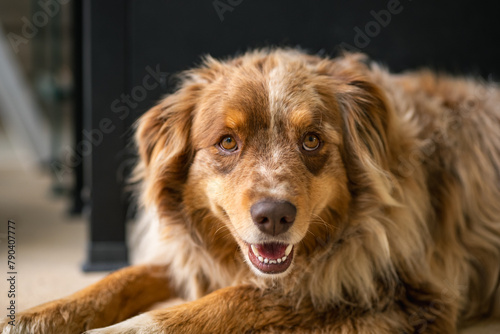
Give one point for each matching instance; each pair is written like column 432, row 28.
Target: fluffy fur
column 397, row 225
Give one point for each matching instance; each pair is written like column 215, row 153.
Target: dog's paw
column 141, row 324
column 36, row 320
column 56, row 317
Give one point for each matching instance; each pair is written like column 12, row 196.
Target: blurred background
column 75, row 75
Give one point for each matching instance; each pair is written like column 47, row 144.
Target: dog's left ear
column 367, row 123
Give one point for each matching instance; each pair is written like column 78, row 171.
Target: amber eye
column 311, row 142
column 229, row 144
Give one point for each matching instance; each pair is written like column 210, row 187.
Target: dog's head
column 274, row 145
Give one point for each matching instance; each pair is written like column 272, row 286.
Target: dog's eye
column 311, row 142
column 229, row 144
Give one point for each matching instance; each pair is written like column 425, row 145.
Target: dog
column 283, row 192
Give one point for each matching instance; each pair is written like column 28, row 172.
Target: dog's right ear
column 163, row 137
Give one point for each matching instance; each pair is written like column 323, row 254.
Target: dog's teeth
column 255, row 251
column 273, row 261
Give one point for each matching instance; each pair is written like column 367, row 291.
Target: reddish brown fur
column 397, row 210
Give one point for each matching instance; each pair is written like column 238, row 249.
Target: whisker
column 221, row 229
column 319, row 220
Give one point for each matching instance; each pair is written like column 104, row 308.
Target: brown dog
column 361, row 202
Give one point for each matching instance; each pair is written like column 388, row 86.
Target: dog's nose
column 273, row 217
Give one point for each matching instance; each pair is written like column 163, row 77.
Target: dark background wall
column 456, row 36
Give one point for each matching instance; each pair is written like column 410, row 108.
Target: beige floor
column 50, row 246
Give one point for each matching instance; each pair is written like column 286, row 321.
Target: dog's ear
column 163, row 137
column 365, row 112
column 367, row 124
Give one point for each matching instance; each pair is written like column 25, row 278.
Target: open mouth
column 271, row 258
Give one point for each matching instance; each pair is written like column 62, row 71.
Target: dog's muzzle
column 272, row 217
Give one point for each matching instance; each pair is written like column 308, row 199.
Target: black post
column 104, row 79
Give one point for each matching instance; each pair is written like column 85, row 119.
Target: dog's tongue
column 272, row 250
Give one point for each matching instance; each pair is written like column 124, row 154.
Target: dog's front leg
column 118, row 296
column 229, row 310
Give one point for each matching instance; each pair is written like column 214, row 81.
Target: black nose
column 273, row 217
